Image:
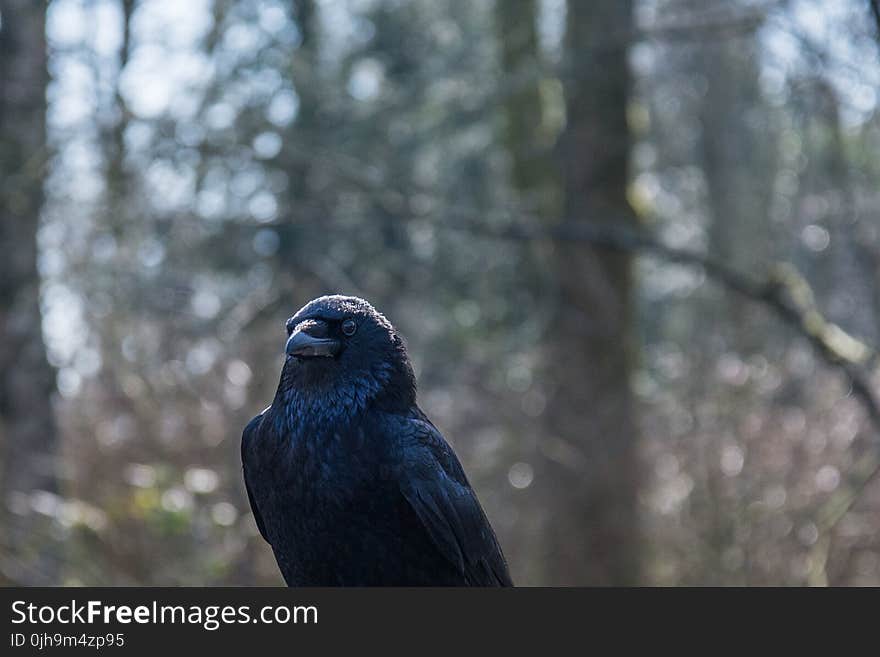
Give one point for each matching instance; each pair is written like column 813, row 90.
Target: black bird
column 348, row 480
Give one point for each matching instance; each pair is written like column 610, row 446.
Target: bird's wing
column 435, row 486
column 247, row 435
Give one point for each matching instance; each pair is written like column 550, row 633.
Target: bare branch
column 785, row 293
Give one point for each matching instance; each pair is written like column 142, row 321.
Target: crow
column 348, row 480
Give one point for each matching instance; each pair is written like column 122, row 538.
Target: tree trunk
column 27, row 426
column 534, row 176
column 738, row 158
column 531, row 172
column 590, row 469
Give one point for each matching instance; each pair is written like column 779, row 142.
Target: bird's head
column 343, row 354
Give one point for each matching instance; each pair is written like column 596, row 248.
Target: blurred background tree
column 178, row 178
column 26, row 381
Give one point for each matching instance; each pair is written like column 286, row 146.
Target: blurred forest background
column 634, row 246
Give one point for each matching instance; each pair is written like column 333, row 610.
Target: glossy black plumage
column 348, row 480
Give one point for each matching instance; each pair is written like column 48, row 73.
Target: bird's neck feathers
column 316, row 402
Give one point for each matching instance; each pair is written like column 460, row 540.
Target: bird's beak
column 307, row 342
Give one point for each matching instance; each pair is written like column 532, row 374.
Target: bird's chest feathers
column 318, row 472
column 303, row 410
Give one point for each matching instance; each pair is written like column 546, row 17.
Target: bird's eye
column 349, row 326
column 289, row 326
